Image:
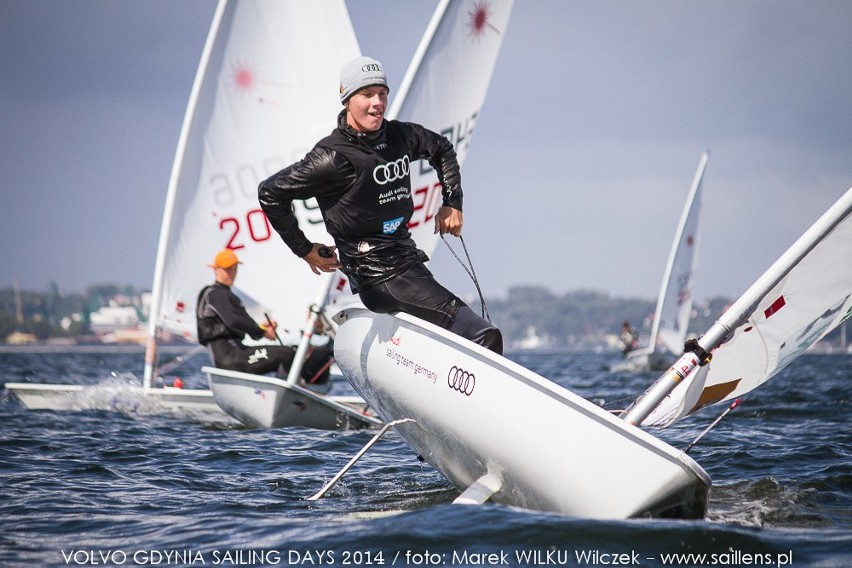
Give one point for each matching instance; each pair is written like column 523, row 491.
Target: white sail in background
column 801, row 298
column 265, row 92
column 674, row 304
column 444, row 90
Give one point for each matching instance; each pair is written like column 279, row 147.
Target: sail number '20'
column 257, row 224
column 239, row 186
column 426, row 202
column 258, row 227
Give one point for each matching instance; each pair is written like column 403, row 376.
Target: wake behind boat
column 36, row 396
column 127, row 392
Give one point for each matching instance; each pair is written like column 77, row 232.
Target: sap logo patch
column 389, row 227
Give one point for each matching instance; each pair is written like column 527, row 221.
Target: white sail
column 265, row 91
column 444, row 90
column 801, row 298
column 674, row 304
column 674, row 301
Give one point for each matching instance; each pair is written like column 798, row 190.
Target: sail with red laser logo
column 241, row 127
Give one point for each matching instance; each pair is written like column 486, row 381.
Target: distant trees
column 577, row 319
column 581, row 318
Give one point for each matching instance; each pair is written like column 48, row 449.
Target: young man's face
column 367, row 108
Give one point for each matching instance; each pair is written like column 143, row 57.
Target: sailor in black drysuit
column 359, row 175
column 222, row 323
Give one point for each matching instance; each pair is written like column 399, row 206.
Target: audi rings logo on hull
column 392, row 171
column 460, row 380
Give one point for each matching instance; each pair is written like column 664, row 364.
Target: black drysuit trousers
column 416, row 292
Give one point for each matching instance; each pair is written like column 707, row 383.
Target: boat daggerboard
column 804, row 295
column 240, row 127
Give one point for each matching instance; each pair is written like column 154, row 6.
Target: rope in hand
column 470, row 272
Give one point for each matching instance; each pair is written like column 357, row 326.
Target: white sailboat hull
column 70, row 397
column 268, row 402
column 476, row 414
column 643, row 361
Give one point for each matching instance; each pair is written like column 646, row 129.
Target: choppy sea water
column 121, row 482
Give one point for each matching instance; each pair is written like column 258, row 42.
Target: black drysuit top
column 362, row 184
column 220, row 314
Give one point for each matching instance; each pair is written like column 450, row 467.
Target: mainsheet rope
column 470, row 272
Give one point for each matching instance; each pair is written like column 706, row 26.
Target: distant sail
column 675, row 299
column 674, row 305
column 798, row 301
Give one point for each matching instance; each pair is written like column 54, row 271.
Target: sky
column 589, row 138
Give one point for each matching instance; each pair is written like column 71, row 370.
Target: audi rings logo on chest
column 460, row 380
column 392, row 171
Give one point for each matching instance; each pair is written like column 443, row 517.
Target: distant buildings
column 118, row 323
column 113, row 318
column 19, row 338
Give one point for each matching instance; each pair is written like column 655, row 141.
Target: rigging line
column 733, row 405
column 274, row 330
column 180, row 359
column 471, row 273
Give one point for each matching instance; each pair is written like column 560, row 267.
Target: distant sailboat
column 674, row 302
